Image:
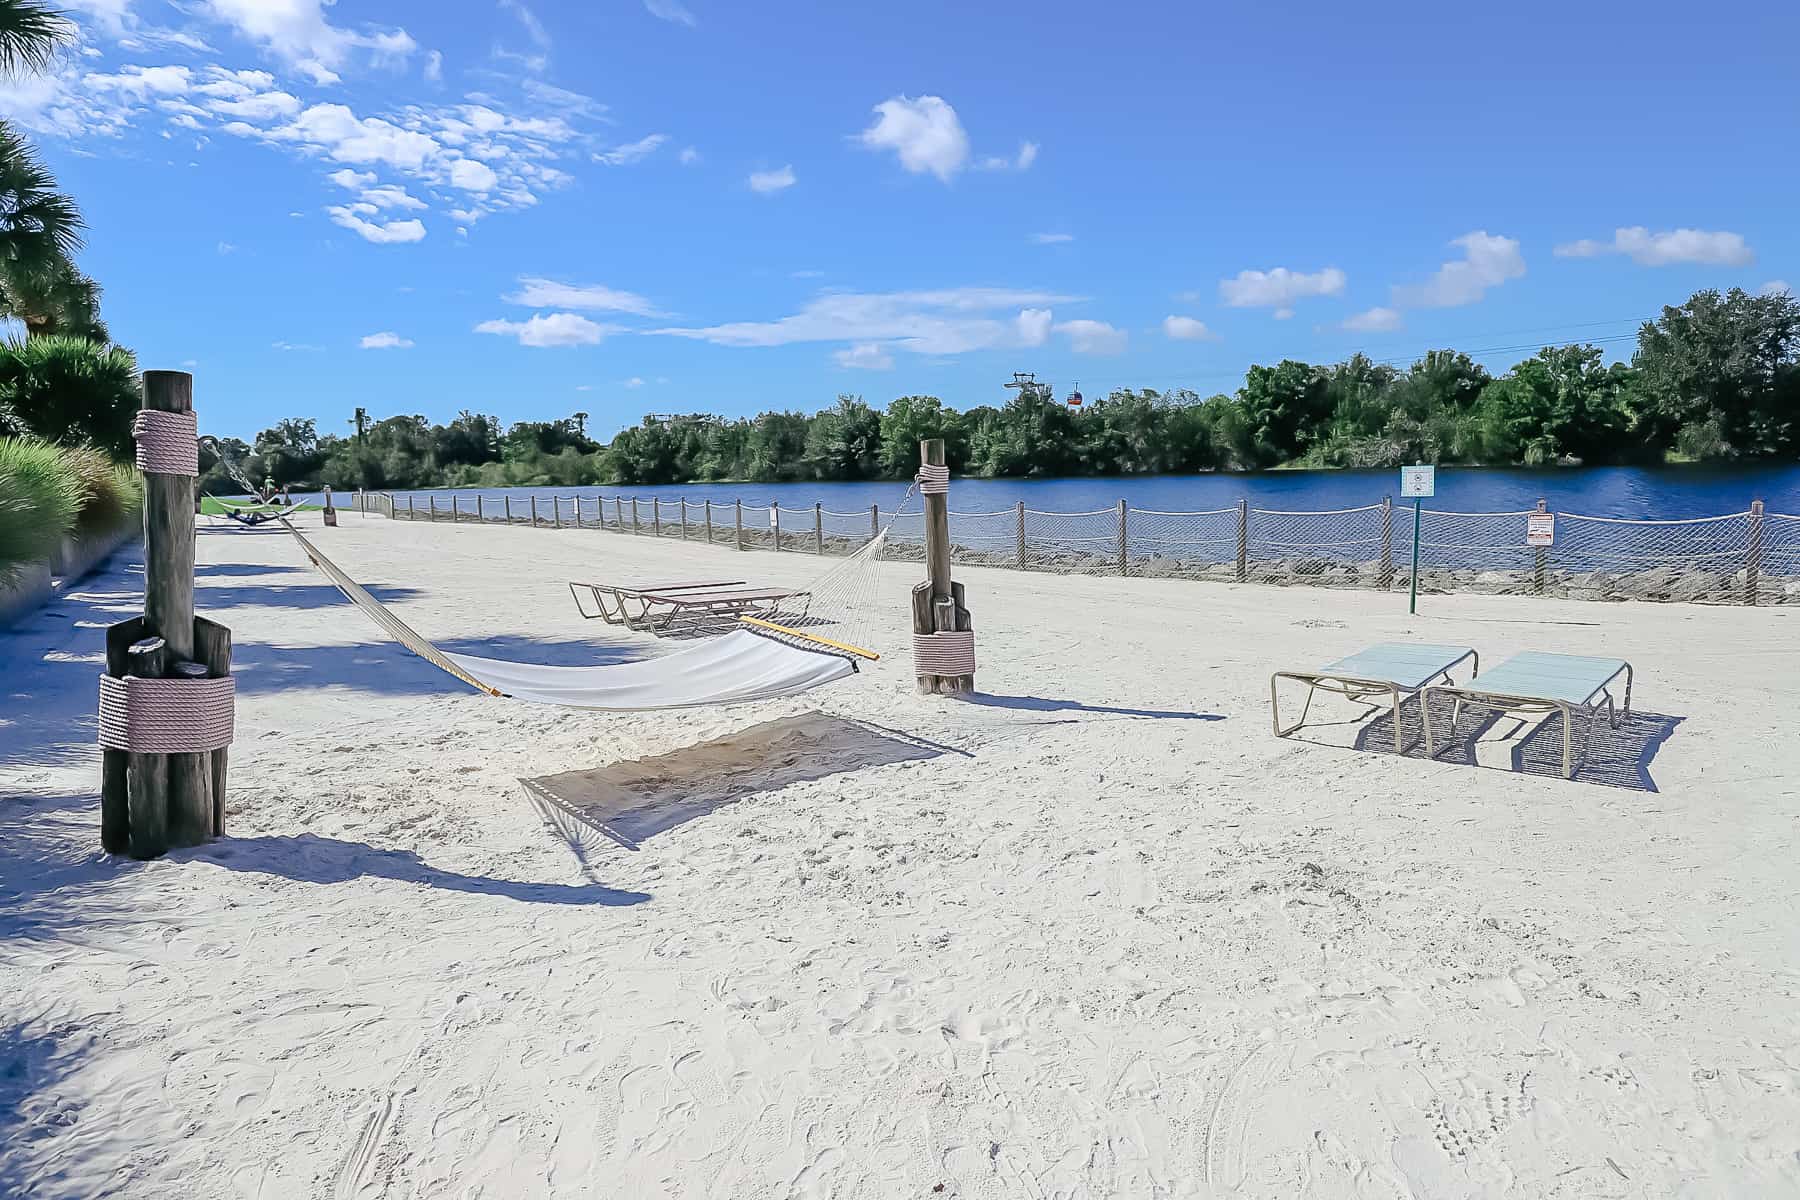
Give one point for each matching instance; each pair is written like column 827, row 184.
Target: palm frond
column 38, row 224
column 31, row 32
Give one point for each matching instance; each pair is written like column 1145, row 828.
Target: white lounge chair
column 1536, row 682
column 1390, row 670
column 622, row 594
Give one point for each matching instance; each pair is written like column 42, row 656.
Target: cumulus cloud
column 631, row 152
column 550, row 329
column 264, row 106
column 355, row 217
column 949, row 321
column 1093, row 337
column 635, row 382
column 689, row 156
column 1028, row 152
column 1034, row 326
column 1488, row 261
column 472, row 176
column 297, row 32
column 1374, row 320
column 1707, row 247
column 924, row 133
column 767, row 183
column 866, row 356
column 672, row 11
column 434, row 66
column 387, row 339
column 1052, row 239
column 1187, row 329
column 537, row 292
column 1279, row 288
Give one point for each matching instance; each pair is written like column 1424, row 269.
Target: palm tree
column 61, row 300
column 361, row 421
column 40, row 228
column 30, row 34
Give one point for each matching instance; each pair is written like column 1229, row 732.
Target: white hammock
column 737, row 668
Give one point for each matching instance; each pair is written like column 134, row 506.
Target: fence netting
column 1740, row 558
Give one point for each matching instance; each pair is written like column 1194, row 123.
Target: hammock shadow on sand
column 1044, row 704
column 388, row 668
column 1604, row 756
column 309, row 858
column 630, row 802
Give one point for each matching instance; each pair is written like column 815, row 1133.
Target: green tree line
column 1716, row 378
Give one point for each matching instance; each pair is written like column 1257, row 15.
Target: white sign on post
column 1540, row 529
column 1418, row 482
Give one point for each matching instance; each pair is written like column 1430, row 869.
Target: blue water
column 1643, row 493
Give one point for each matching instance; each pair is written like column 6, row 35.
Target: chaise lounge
column 1392, row 671
column 1536, row 682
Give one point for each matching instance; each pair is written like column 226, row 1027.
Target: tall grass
column 40, row 499
column 110, row 493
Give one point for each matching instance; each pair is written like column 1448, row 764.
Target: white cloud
column 766, row 183
column 227, row 248
column 865, row 356
column 535, row 292
column 1775, row 287
column 472, row 176
column 949, row 321
column 689, row 156
column 1489, row 260
column 631, row 152
column 1052, row 239
column 1187, row 329
column 390, row 195
column 288, row 347
column 1374, row 320
column 550, row 329
column 925, row 133
column 634, row 382
column 353, row 180
column 354, row 217
column 297, row 32
column 145, row 81
column 1670, row 246
column 387, row 339
column 1093, row 337
column 1034, row 326
column 1279, row 288
column 534, row 28
column 263, row 107
column 434, row 66
column 670, row 10
column 1028, row 153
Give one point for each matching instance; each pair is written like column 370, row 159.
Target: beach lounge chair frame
column 1602, row 673
column 703, row 604
column 622, row 595
column 1342, row 679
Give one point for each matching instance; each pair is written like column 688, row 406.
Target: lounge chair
column 723, row 602
column 1391, row 670
column 623, row 594
column 1535, row 682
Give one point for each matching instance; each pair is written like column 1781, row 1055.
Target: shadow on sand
column 1043, row 704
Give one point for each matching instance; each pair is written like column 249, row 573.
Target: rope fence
column 1751, row 557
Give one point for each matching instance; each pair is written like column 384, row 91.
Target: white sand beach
column 1098, row 934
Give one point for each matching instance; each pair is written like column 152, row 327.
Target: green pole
column 1412, row 604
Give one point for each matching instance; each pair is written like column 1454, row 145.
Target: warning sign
column 1540, row 529
column 1418, row 482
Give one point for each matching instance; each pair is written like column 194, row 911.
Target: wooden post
column 534, row 516
column 556, row 511
column 740, row 523
column 656, row 517
column 1243, row 540
column 637, row 522
column 1753, row 562
column 330, row 512
column 874, row 521
column 1124, row 543
column 775, row 524
column 455, row 509
column 410, row 514
column 1387, row 542
column 480, row 516
column 937, row 603
column 432, row 501
column 708, row 510
column 1020, row 511
column 149, row 802
column 1540, row 573
column 818, row 528
column 684, row 528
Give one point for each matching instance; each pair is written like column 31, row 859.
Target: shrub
column 39, row 500
column 110, row 493
column 71, row 391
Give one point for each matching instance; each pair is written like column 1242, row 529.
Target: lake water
column 1642, row 493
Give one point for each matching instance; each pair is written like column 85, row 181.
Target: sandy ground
column 1099, row 935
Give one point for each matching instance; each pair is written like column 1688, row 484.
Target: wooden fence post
column 534, row 516
column 1387, row 543
column 330, row 512
column 556, row 511
column 706, row 509
column 508, row 501
column 684, row 528
column 1540, row 566
column 1243, row 540
column 740, row 523
column 656, row 516
column 818, row 528
column 1753, row 561
column 1019, row 509
column 432, row 501
column 637, row 521
column 874, row 521
column 937, row 603
column 480, row 516
column 1124, row 543
column 150, row 802
column 775, row 524
column 410, row 514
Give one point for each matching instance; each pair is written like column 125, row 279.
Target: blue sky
column 621, row 206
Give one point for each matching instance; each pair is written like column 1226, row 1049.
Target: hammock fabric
column 244, row 516
column 740, row 667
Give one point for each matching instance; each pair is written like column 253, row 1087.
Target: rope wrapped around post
column 934, row 481
column 944, row 653
column 167, row 716
column 167, row 442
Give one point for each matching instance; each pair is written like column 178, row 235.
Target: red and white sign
column 1540, row 529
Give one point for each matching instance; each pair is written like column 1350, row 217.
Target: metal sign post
column 1417, row 483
